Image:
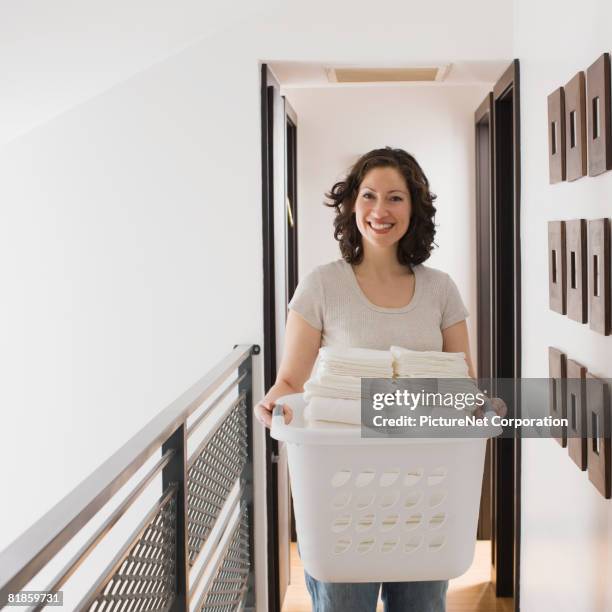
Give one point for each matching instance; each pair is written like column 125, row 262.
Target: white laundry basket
column 381, row 509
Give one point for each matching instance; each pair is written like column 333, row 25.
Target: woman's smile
column 380, row 228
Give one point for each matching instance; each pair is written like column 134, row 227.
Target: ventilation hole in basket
column 412, row 477
column 341, row 522
column 412, row 500
column 365, row 522
column 436, row 476
column 437, row 498
column 437, row 520
column 436, row 543
column 365, row 545
column 363, row 501
column 389, row 522
column 340, row 478
column 413, row 544
column 342, row 545
column 389, row 499
column 388, row 477
column 413, row 521
column 341, row 500
column 364, row 478
column 388, row 546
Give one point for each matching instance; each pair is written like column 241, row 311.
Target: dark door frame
column 499, row 339
column 269, row 325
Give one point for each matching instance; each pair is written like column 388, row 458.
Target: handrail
column 31, row 551
column 106, row 526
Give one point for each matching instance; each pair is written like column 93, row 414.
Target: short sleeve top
column 330, row 299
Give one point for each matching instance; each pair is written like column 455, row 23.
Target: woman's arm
column 301, row 345
column 455, row 340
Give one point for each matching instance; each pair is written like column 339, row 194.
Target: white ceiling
column 57, row 54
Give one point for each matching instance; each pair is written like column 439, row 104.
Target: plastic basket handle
column 278, row 415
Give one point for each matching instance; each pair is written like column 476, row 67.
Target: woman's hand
column 263, row 412
column 495, row 404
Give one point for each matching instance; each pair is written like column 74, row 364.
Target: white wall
column 434, row 123
column 566, row 540
column 130, row 231
column 130, row 254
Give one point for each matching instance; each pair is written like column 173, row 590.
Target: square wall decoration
column 556, row 136
column 576, row 413
column 576, row 257
column 599, row 445
column 557, row 395
column 557, row 270
column 599, row 275
column 599, row 134
column 575, row 128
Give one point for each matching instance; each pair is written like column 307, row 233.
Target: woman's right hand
column 263, row 412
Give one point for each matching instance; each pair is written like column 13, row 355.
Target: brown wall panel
column 557, row 372
column 598, row 270
column 557, row 267
column 576, row 259
column 575, row 127
column 556, row 136
column 599, row 453
column 599, row 133
column 576, row 414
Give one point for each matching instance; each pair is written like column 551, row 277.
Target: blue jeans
column 428, row 596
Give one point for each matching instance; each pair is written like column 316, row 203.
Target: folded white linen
column 355, row 361
column 356, row 355
column 331, row 385
column 344, row 370
column 327, row 425
column 399, row 352
column 428, row 364
column 418, row 372
column 333, row 410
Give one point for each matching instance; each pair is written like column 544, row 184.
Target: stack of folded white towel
column 428, row 364
column 356, row 362
column 333, row 393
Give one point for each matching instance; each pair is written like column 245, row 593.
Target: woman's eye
column 397, row 198
column 367, row 195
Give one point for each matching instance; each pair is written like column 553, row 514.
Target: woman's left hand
column 495, row 404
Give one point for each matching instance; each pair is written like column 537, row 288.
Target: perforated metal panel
column 146, row 579
column 227, row 588
column 211, row 476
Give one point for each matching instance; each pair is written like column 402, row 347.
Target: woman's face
column 383, row 206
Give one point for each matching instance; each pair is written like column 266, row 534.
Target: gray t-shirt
column 330, row 299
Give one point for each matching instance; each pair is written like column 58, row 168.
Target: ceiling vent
column 387, row 75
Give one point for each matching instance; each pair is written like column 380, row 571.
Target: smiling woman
column 377, row 295
column 395, row 202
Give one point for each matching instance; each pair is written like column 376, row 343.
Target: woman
column 379, row 294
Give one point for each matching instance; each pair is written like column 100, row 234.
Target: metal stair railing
column 194, row 548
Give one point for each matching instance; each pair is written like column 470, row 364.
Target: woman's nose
column 380, row 208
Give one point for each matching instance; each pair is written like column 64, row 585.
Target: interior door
column 270, row 93
column 292, row 276
column 279, row 217
column 499, row 305
column 483, row 119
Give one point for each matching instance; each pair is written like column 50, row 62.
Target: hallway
column 469, row 593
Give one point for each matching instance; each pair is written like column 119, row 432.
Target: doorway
column 497, row 131
column 280, row 271
column 498, row 340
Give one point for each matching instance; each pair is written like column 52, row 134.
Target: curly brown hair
column 415, row 246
